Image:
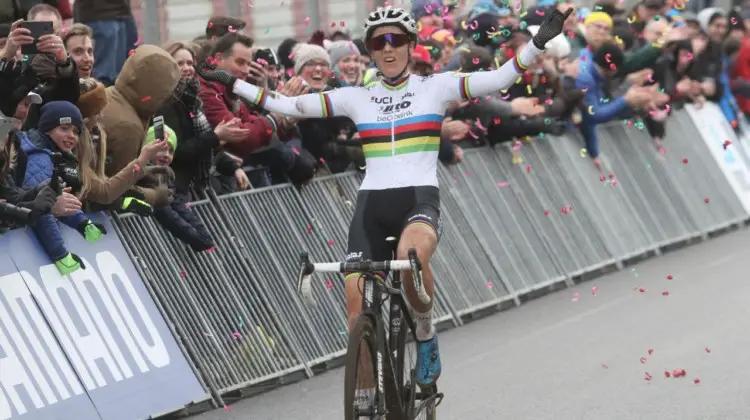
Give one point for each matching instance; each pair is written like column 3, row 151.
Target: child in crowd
column 177, row 217
column 56, row 135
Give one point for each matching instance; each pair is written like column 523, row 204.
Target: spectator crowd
column 93, row 120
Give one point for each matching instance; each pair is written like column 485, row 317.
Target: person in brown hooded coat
column 146, row 81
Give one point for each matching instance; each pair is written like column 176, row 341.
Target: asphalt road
column 561, row 358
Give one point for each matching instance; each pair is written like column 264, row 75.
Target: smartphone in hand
column 158, row 125
column 38, row 29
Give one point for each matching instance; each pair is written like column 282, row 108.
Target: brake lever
column 304, row 280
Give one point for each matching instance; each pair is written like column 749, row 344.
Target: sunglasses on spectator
column 395, row 40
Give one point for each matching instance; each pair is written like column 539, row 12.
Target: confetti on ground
column 309, row 229
column 576, row 296
column 641, row 289
column 696, row 381
column 644, row 360
column 648, row 376
column 330, row 242
column 547, row 212
column 706, row 200
column 669, row 277
column 182, row 274
column 329, row 285
column 236, row 335
column 667, row 374
column 604, row 366
column 650, row 352
column 502, row 184
column 489, row 285
column 227, row 407
column 708, row 350
column 665, row 293
column 594, row 290
column 528, row 170
column 685, row 161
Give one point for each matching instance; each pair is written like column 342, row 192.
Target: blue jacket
column 38, row 148
column 597, row 108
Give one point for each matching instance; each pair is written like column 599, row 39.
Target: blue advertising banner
column 91, row 345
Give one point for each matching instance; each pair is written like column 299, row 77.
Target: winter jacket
column 106, row 190
column 598, row 108
column 219, row 105
column 637, row 60
column 178, row 219
column 146, row 81
column 91, row 10
column 194, row 153
column 38, row 148
column 741, row 70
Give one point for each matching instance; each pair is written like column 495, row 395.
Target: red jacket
column 218, row 106
column 741, row 70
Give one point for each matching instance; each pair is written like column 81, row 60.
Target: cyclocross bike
column 396, row 396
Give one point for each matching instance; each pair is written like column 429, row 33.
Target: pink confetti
column 330, row 242
column 489, row 285
column 667, row 374
column 307, row 20
column 342, row 23
column 236, row 335
column 605, row 366
column 329, row 285
column 576, row 296
column 648, row 376
column 563, row 210
column 643, row 360
column 136, row 168
column 333, row 24
column 641, row 289
column 706, row 200
column 594, row 290
column 502, row 184
column 227, row 407
column 547, row 212
column 662, row 150
column 295, row 151
column 650, row 352
column 182, row 274
column 309, row 229
column 548, row 101
column 539, row 12
column 697, row 380
column 665, row 293
column 690, row 56
column 145, row 99
column 138, row 42
column 707, row 350
column 528, row 169
column 669, row 277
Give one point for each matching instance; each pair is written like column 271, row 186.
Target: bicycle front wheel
column 361, row 376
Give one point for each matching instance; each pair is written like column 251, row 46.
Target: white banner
column 731, row 154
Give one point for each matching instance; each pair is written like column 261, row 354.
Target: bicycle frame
column 372, row 305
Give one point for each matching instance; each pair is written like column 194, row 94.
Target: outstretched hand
column 551, row 27
column 210, row 73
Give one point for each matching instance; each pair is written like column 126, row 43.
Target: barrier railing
column 515, row 224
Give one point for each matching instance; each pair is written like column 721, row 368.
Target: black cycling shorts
column 383, row 213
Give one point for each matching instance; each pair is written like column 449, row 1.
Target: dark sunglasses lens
column 396, row 40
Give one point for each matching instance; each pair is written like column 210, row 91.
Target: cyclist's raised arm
column 311, row 105
column 483, row 83
column 462, row 86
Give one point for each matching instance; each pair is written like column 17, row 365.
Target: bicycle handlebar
column 307, row 268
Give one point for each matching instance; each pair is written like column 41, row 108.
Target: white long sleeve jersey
column 399, row 123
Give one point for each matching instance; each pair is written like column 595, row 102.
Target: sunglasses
column 395, row 40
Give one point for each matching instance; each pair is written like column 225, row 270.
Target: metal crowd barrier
column 510, row 229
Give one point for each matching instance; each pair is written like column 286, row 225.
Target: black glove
column 43, row 203
column 15, row 214
column 16, row 81
column 212, row 74
column 551, row 27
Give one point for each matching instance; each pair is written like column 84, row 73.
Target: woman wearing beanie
column 199, row 142
column 329, row 140
column 91, row 151
column 47, row 157
column 345, row 60
column 176, row 217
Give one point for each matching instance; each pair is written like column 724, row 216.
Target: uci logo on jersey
column 384, row 101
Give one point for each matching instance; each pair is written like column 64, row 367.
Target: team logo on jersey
column 387, row 109
column 383, row 101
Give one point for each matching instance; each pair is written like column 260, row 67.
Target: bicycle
column 396, row 394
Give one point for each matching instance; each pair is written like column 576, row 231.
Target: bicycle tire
column 364, row 333
column 406, row 389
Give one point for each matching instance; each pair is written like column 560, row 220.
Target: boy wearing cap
column 177, row 217
column 60, row 124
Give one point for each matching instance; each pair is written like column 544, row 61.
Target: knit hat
column 92, row 102
column 57, row 113
column 599, row 17
column 303, row 53
column 170, row 135
column 340, row 49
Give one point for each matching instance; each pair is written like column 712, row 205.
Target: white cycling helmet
column 390, row 16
